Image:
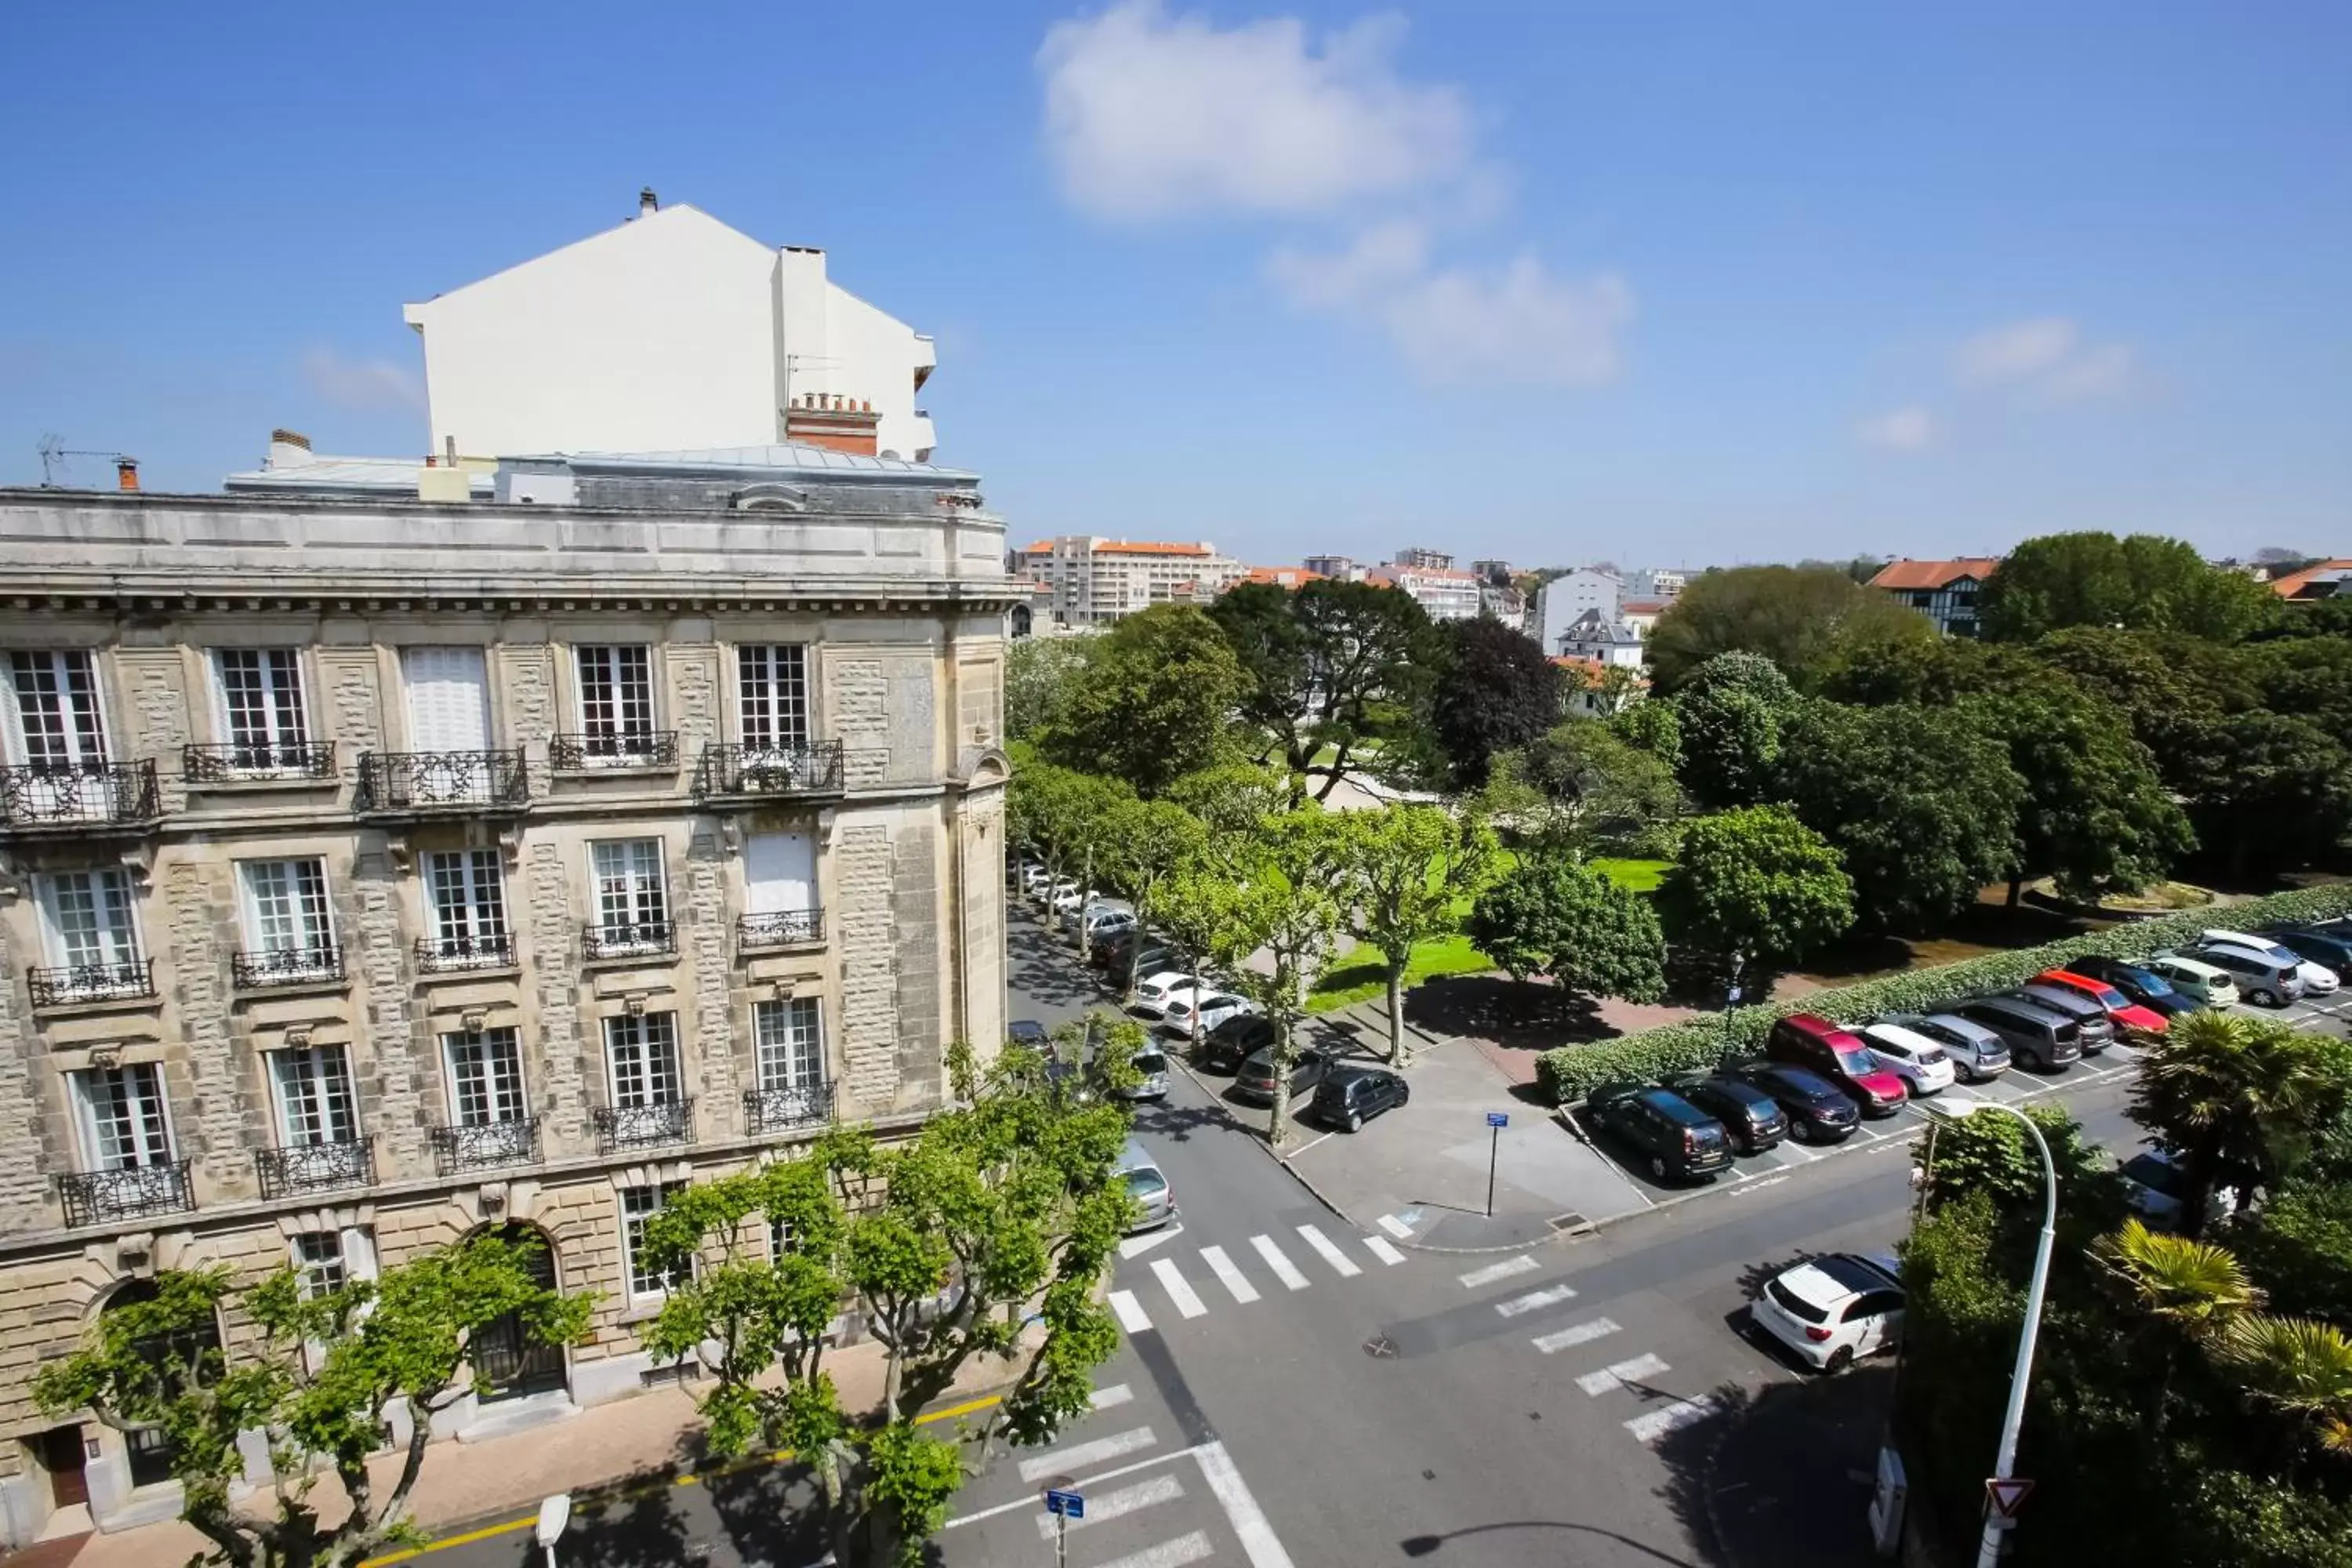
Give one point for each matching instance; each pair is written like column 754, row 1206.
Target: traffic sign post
column 1496, row 1121
column 1065, row 1506
column 2004, row 1495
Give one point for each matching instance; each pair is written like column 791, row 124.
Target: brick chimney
column 827, row 419
column 648, row 204
column 126, row 473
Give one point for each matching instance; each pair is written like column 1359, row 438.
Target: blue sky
column 1550, row 280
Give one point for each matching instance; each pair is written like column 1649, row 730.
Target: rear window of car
column 1146, row 1184
column 1675, row 1109
column 1150, row 1062
column 1813, row 1086
column 1796, row 1305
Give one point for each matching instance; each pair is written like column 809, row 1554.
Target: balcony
column 643, row 1126
column 426, row 783
column 779, row 928
column 476, row 950
column 479, row 1145
column 78, row 797
column 638, row 939
column 315, row 1167
column 101, row 1197
column 206, row 766
column 69, row 983
column 275, row 966
column 732, row 773
column 648, row 751
column 785, row 1109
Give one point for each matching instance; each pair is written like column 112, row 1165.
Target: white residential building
column 1565, row 600
column 1652, row 583
column 1447, row 595
column 1092, row 580
column 1608, row 641
column 1338, row 568
column 672, row 331
column 1422, row 559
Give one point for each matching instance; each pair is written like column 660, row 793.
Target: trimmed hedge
column 1566, row 1075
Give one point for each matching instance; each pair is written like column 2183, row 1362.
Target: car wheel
column 1404, row 1092
column 1658, row 1166
column 2262, row 998
column 1840, row 1359
column 1355, row 1122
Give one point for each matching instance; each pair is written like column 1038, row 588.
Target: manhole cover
column 1380, row 1347
column 1568, row 1222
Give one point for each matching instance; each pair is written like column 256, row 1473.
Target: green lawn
column 1633, row 876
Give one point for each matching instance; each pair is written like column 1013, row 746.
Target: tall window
column 286, row 913
column 318, row 1259
column 616, row 701
column 485, row 1076
column 639, row 1204
column 314, row 1097
column 631, row 908
column 468, row 887
column 90, row 924
column 772, row 695
column 642, row 1054
column 122, row 1118
column 790, row 1043
column 55, row 712
column 261, row 704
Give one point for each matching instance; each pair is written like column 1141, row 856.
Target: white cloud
column 360, row 383
column 1515, row 323
column 1910, row 429
column 2096, row 373
column 1149, row 115
column 2048, row 354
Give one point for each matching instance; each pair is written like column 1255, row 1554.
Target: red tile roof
column 2293, row 583
column 1934, row 574
column 1644, row 608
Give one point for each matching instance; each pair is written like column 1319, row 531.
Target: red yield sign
column 2004, row 1497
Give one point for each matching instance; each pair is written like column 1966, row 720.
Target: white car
column 1104, row 918
column 2214, row 987
column 1213, row 1007
column 2157, row 1188
column 1154, row 992
column 1922, row 1065
column 1069, row 899
column 1833, row 1308
column 1033, row 879
column 2318, row 980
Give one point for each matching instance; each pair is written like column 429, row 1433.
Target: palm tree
column 2303, row 1368
column 2231, row 1094
column 2195, row 1291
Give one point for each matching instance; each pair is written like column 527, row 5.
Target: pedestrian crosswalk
column 1172, row 1273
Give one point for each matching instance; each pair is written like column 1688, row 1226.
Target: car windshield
column 1858, row 1061
column 1805, row 1085
column 2109, row 996
column 1146, row 1184
column 2148, row 980
column 1855, row 1274
column 2156, row 1173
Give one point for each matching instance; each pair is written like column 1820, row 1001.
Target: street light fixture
column 1989, row 1545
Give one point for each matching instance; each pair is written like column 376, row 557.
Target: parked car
column 2331, row 948
column 2156, row 1186
column 1351, row 1096
column 1831, row 1309
column 2264, row 981
column 2318, row 980
column 1674, row 1138
column 1977, row 1054
column 1213, row 1007
column 2094, row 1029
column 1256, row 1079
column 1818, row 1110
column 1028, row 1032
column 2038, row 1038
column 1921, row 1063
column 1811, row 1041
column 1753, row 1118
column 1233, row 1042
column 2142, row 984
column 1034, row 878
column 2122, row 1012
column 1068, row 899
column 1147, row 1185
column 1111, row 954
column 1152, row 1064
column 1102, row 919
column 1154, row 992
column 2193, row 978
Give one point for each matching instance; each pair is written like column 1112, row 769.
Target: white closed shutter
column 779, row 873
column 448, row 699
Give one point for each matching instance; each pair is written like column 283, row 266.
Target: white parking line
column 1078, row 1455
column 1129, row 1311
column 1649, row 1428
column 1331, row 1251
column 1396, row 1227
column 1581, row 1334
column 1534, row 1300
column 1380, row 1246
column 1179, row 1289
column 1284, row 1270
column 1234, row 1282
column 1259, row 1542
column 1624, row 1373
column 1522, row 1264
column 1117, row 1394
column 1104, row 1507
column 1792, row 1146
column 1174, row 1553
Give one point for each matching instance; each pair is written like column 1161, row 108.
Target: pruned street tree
column 1406, row 867
column 1213, row 919
column 1555, row 915
column 1145, row 843
column 1288, row 908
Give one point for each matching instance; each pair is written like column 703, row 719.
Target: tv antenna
column 54, row 453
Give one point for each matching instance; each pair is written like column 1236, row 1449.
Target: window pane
column 790, row 1045
column 314, row 1097
column 90, row 911
column 616, row 693
column 773, row 695
column 642, row 1055
column 125, row 1110
column 629, row 885
column 468, row 887
column 485, row 1076
column 319, row 1260
column 57, row 708
column 261, row 692
column 288, row 905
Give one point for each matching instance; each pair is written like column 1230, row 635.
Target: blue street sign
column 1498, row 1119
column 1066, row 1505
column 1732, row 995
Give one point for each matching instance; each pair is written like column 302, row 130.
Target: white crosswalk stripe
column 1476, row 1277
column 1649, row 1428
column 1234, row 1282
column 1534, row 1300
column 1117, row 1394
column 1104, row 1507
column 1624, row 1373
column 1396, row 1227
column 1338, row 1260
column 1577, row 1334
column 1130, row 1312
column 1284, row 1270
column 1083, row 1455
column 1174, row 1553
column 1380, row 1246
column 1179, row 1289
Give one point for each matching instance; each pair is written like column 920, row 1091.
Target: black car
column 1112, row 953
column 1028, row 1032
column 1818, row 1110
column 1256, row 1079
column 2151, row 991
column 1752, row 1117
column 1351, row 1096
column 1675, row 1138
column 1233, row 1042
column 2329, row 949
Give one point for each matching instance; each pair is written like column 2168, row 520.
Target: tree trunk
column 2016, row 886
column 1399, row 1052
column 1086, row 886
column 1277, row 1126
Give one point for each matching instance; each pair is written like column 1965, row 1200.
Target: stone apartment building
column 373, row 871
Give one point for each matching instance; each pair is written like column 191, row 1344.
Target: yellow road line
column 780, row 1456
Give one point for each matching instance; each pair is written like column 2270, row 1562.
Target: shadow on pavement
column 1781, row 1477
column 1521, row 1016
column 1541, row 1541
column 635, row 1526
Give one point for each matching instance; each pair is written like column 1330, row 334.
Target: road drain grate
column 1572, row 1222
column 1380, row 1347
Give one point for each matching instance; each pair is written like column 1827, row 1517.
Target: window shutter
column 779, row 873
column 448, row 699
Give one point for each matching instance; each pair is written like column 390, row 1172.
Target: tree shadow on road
column 1781, row 1478
column 636, row 1524
column 1520, row 1014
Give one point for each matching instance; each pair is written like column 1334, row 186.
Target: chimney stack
column 648, row 204
column 126, row 473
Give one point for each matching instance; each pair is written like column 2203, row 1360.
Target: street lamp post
column 1989, row 1545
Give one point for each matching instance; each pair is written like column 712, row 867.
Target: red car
column 1811, row 1041
column 2127, row 1013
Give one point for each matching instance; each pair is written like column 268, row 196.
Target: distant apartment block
column 1092, row 581
column 1943, row 591
column 1447, row 595
column 1420, row 559
column 1570, row 598
column 1338, row 568
column 1652, row 584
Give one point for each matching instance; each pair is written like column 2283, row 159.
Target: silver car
column 1976, row 1051
column 1148, row 1186
column 1152, row 1064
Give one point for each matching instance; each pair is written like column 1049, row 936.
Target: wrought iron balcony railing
column 782, row 1110
column 638, row 1126
column 591, row 753
column 100, row 1197
column 286, row 967
column 403, row 782
column 779, row 928
column 236, row 763
column 67, row 984
column 472, row 1145
column 635, row 939
column 475, row 950
column 71, row 795
column 740, row 773
column 315, row 1167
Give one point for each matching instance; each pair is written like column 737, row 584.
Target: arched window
column 175, row 1356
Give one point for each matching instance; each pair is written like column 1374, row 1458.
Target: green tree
column 1334, row 665
column 1040, row 674
column 2239, row 1100
column 1233, row 798
column 1920, row 802
column 986, row 1237
column 1495, row 691
column 1730, row 715
column 1212, row 916
column 1065, row 813
column 1756, row 883
column 2144, row 582
column 2095, row 816
column 2299, row 1246
column 1405, row 866
column 2309, row 676
column 1157, row 700
column 2192, row 1292
column 318, row 1385
column 1654, row 727
column 1291, row 903
column 1145, row 844
column 1594, row 782
column 2301, row 1369
column 2269, row 791
column 1554, row 915
column 2174, row 689
column 1789, row 615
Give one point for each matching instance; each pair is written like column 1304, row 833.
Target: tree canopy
column 1729, row 717
column 1332, row 665
column 1790, row 615
column 2096, row 815
column 1156, row 700
column 1555, row 915
column 1404, row 867
column 1756, row 882
column 2142, row 583
column 1495, row 690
